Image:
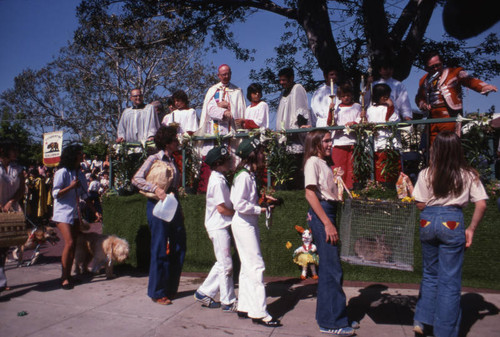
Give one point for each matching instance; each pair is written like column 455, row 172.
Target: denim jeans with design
column 442, row 234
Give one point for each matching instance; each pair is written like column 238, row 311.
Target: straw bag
column 160, row 174
column 13, row 230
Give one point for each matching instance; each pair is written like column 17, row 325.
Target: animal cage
column 378, row 233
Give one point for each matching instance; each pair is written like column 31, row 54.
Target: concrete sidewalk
column 120, row 307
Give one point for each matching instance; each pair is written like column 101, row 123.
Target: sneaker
column 418, row 327
column 355, row 325
column 347, row 331
column 230, row 307
column 206, row 301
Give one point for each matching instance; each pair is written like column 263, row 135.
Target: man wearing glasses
column 440, row 91
column 139, row 123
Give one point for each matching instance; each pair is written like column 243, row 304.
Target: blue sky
column 35, row 30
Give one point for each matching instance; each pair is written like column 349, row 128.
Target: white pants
column 252, row 292
column 220, row 277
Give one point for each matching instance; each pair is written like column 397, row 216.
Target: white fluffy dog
column 100, row 249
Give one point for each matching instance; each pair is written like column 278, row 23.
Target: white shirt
column 94, row 186
column 318, row 173
column 473, row 191
column 186, row 118
column 376, row 114
column 343, row 115
column 320, row 104
column 217, row 193
column 10, row 180
column 65, row 207
column 245, row 199
column 399, row 96
column 137, row 125
column 259, row 114
column 290, row 107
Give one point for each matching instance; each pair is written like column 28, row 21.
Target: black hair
column 164, row 136
column 7, row 145
column 345, row 88
column 181, row 96
column 69, row 156
column 287, row 72
column 252, row 89
column 430, row 54
column 380, row 90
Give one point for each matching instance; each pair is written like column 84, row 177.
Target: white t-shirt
column 217, row 193
column 473, row 191
column 318, row 173
column 259, row 114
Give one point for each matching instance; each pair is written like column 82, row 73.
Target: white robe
column 259, row 114
column 376, row 114
column 137, row 125
column 211, row 112
column 320, row 104
column 186, row 118
column 290, row 107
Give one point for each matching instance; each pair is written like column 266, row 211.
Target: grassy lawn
column 126, row 217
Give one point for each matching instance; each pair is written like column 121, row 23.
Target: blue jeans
column 331, row 301
column 165, row 269
column 442, row 234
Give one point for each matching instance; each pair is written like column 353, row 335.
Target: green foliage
column 280, row 163
column 126, row 217
column 362, row 154
column 30, row 152
column 126, row 158
column 476, row 140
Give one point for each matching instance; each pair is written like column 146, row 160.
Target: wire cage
column 378, row 233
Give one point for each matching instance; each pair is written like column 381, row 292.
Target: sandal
column 163, row 301
column 67, row 286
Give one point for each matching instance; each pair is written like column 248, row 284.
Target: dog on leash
column 101, row 251
column 36, row 237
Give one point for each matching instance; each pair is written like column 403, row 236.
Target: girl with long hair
column 69, row 186
column 245, row 228
column 322, row 196
column 441, row 191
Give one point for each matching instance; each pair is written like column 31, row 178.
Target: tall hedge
column 125, row 216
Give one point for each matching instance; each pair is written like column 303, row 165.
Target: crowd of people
column 72, row 191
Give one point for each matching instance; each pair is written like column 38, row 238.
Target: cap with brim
column 215, row 154
column 247, row 146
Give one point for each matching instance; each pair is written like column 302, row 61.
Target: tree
column 30, row 151
column 364, row 31
column 84, row 90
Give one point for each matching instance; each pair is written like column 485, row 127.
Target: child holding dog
column 218, row 215
column 322, row 196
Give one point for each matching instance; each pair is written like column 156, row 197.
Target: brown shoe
column 163, row 301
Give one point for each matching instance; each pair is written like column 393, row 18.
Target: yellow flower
column 355, row 195
column 288, row 245
column 408, row 199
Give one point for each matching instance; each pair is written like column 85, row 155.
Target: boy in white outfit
column 218, row 215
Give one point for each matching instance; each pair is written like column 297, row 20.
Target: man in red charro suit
column 440, row 91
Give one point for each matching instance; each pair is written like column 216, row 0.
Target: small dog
column 100, row 249
column 36, row 237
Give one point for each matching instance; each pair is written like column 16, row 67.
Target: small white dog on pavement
column 101, row 251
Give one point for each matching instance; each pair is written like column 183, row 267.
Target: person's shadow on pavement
column 474, row 308
column 382, row 308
